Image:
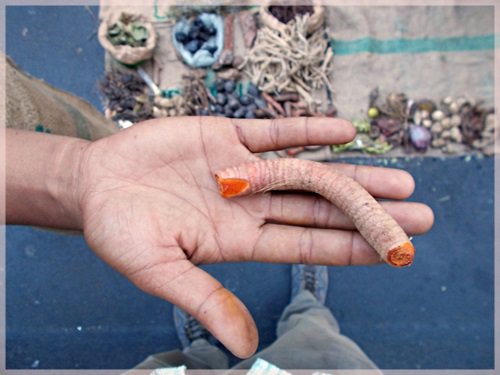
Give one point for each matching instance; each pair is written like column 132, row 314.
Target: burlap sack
column 35, row 105
column 127, row 54
column 314, row 22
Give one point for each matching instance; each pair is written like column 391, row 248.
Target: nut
column 455, row 135
column 448, row 100
column 454, row 107
column 437, row 115
column 446, row 123
column 489, row 150
column 436, row 128
column 157, row 112
column 456, row 120
column 451, row 148
column 427, row 123
column 438, row 143
column 490, row 122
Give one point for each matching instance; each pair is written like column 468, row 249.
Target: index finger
column 277, row 134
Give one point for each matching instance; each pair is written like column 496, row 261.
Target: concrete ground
column 67, row 310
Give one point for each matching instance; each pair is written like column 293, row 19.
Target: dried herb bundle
column 287, row 13
column 125, row 97
column 127, row 32
column 293, row 60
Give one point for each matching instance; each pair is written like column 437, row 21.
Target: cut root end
column 402, row 255
column 232, row 187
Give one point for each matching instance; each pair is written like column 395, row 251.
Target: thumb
column 203, row 297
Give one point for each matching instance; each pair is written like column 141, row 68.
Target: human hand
column 152, row 210
column 149, row 206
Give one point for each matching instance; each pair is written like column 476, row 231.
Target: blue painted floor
column 68, row 310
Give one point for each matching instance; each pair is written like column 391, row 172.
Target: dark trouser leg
column 309, row 338
column 200, row 355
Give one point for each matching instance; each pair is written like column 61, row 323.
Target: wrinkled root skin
column 380, row 230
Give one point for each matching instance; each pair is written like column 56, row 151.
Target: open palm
column 152, row 210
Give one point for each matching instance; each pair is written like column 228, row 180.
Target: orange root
column 231, row 187
column 401, row 255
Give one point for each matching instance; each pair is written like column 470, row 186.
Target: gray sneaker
column 189, row 329
column 311, row 278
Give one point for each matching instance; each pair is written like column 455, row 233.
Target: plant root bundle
column 290, row 60
column 380, row 230
column 196, row 95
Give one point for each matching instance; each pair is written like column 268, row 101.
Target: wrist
column 65, row 181
column 42, row 179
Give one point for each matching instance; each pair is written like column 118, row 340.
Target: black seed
column 181, row 37
column 261, row 103
column 193, row 46
column 211, row 49
column 251, row 107
column 198, row 23
column 194, row 33
column 253, row 90
column 240, row 112
column 234, row 104
column 221, row 99
column 219, row 85
column 246, row 100
column 229, row 86
column 210, row 30
column 228, row 112
column 128, row 103
column 204, row 36
column 249, row 114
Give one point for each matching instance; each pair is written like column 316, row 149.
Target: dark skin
column 148, row 205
